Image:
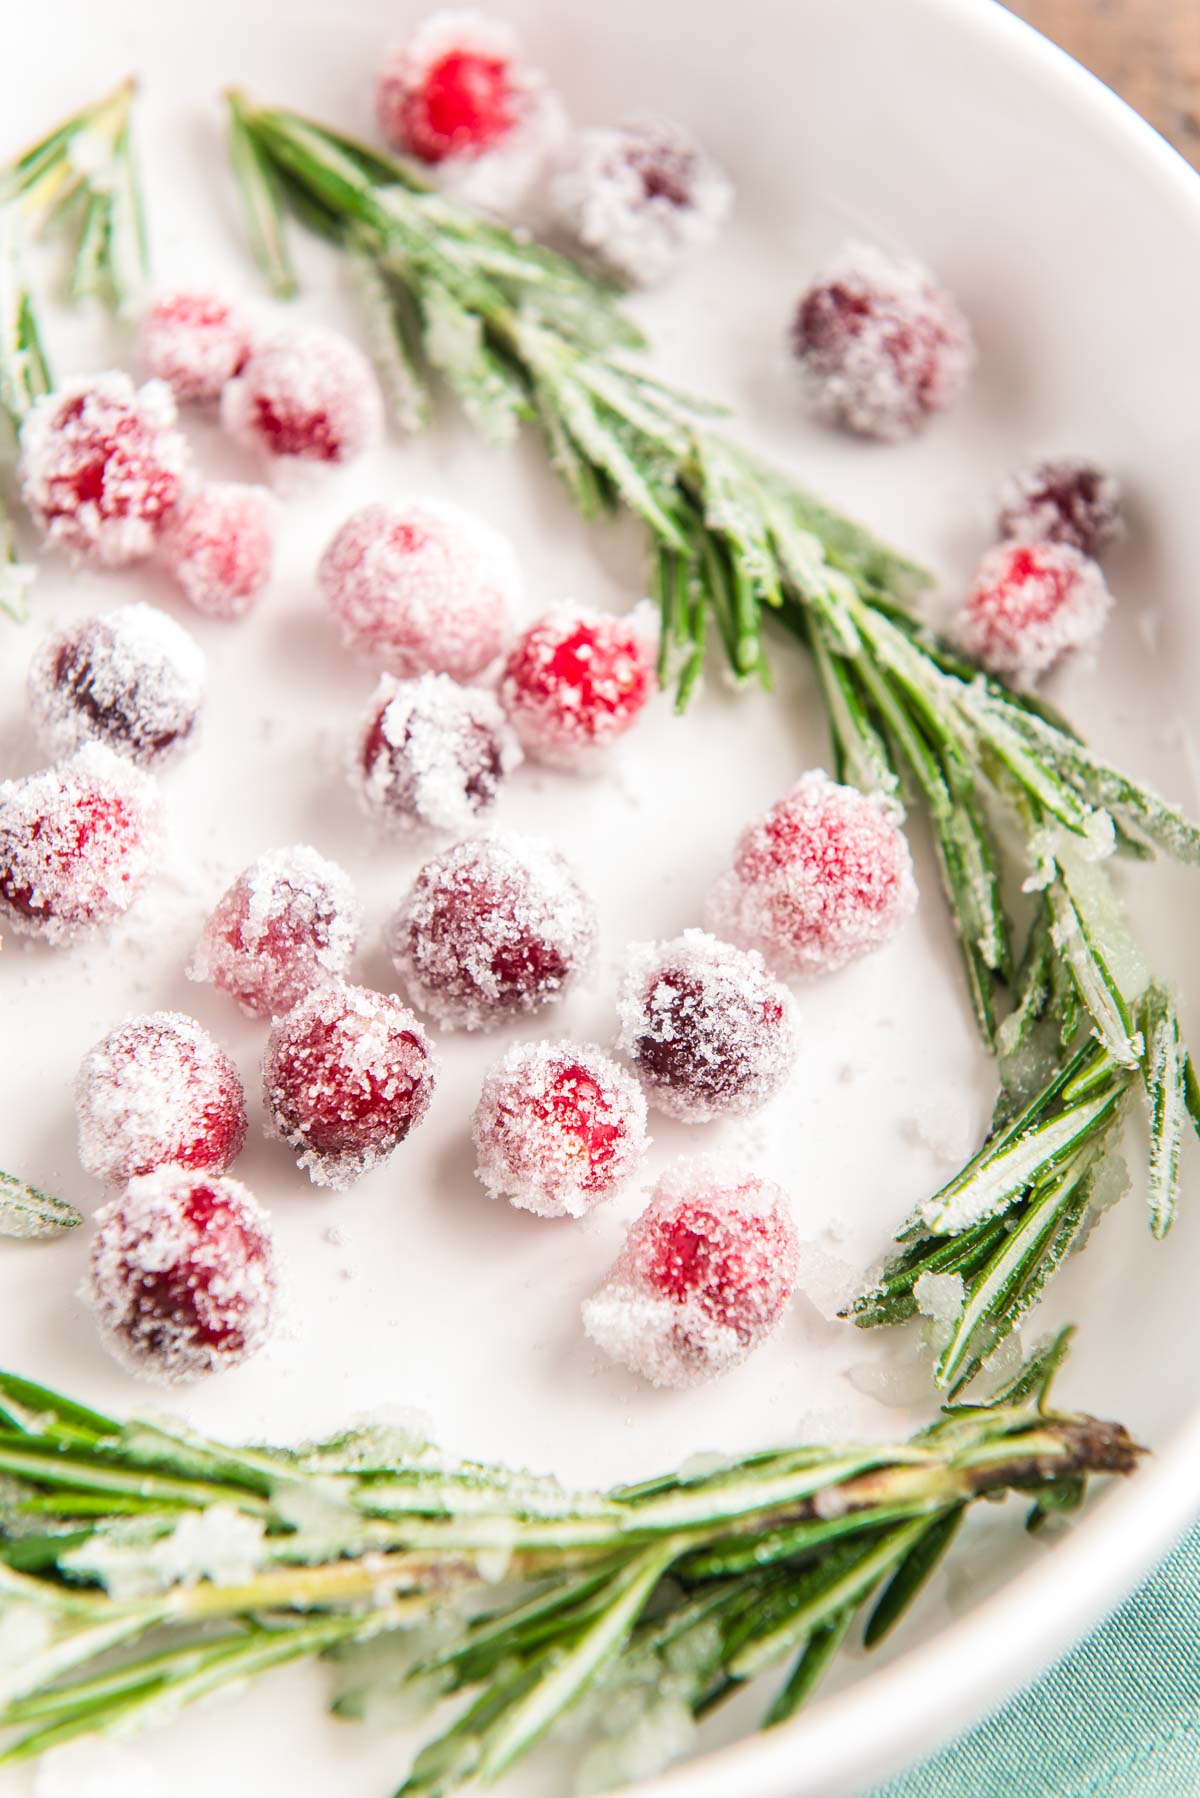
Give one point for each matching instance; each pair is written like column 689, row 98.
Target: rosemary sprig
column 82, row 179
column 24, row 1211
column 163, row 1566
column 16, row 577
column 24, row 375
column 520, row 333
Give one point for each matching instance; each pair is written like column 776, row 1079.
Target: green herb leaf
column 1165, row 1081
column 24, row 1211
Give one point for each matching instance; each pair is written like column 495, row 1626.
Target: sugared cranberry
column 421, row 588
column 578, row 679
column 287, row 924
column 132, row 679
column 641, row 198
column 490, row 929
column 182, row 1275
column 195, row 342
column 347, row 1074
column 702, row 1279
column 305, row 394
column 77, row 844
column 102, row 465
column 158, row 1091
column 880, row 345
column 431, row 755
column 220, row 547
column 464, row 104
column 708, row 1030
column 1031, row 604
column 558, row 1128
column 459, row 95
column 823, row 878
column 1065, row 501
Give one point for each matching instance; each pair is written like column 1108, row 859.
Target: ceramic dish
column 1071, row 234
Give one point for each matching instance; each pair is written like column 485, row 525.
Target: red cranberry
column 710, row 1032
column 289, row 922
column 490, row 929
column 558, row 1127
column 220, row 547
column 880, row 345
column 77, row 843
column 102, row 465
column 195, row 342
column 703, row 1277
column 182, row 1277
column 347, row 1075
column 577, row 680
column 1031, row 604
column 158, row 1091
column 456, row 89
column 305, row 394
column 133, row 679
column 1066, row 501
column 823, row 878
column 431, row 755
column 421, row 588
column 466, row 103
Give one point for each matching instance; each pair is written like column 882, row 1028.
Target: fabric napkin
column 1118, row 1717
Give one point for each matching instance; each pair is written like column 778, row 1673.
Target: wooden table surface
column 1148, row 50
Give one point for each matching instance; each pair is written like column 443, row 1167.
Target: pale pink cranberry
column 304, row 394
column 77, row 844
column 347, row 1074
column 288, row 923
column 823, row 878
column 1029, row 605
column 195, row 342
column 181, row 1278
column 491, row 929
column 641, row 198
column 421, row 588
column 577, row 680
column 708, row 1030
column 132, row 679
column 881, row 347
column 155, row 1092
column 102, row 464
column 220, row 547
column 703, row 1277
column 558, row 1128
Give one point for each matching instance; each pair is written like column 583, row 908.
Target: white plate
column 1072, row 236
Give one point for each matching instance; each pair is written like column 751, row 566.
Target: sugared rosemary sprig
column 24, row 375
column 24, row 1211
column 82, row 179
column 521, row 333
column 156, row 1566
column 1087, row 1026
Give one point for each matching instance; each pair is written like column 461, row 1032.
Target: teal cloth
column 1118, row 1717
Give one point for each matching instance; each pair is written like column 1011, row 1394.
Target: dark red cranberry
column 347, row 1074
